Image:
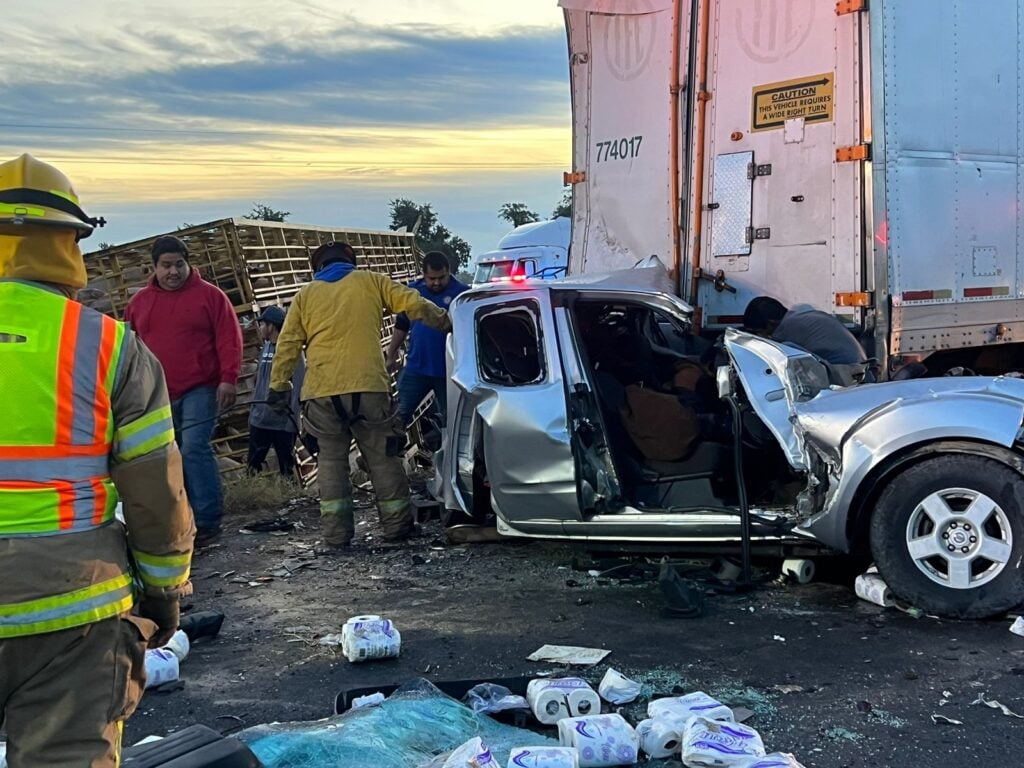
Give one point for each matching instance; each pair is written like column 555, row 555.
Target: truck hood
column 833, row 415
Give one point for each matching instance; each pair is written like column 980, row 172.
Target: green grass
column 262, row 493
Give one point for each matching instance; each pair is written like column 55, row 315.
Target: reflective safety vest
column 58, row 367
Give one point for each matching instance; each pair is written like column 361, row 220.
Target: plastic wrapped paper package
column 543, row 757
column 714, row 744
column 161, row 667
column 414, row 725
column 489, row 698
column 601, row 740
column 617, row 689
column 681, row 709
column 660, row 738
column 370, row 638
column 473, row 754
column 552, row 700
column 774, row 760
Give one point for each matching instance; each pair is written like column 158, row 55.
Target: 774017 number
column 618, row 149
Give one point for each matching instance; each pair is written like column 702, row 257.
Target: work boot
column 338, row 524
column 396, row 519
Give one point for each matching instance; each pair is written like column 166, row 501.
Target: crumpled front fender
column 985, row 411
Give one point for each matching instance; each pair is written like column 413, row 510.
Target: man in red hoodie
column 192, row 329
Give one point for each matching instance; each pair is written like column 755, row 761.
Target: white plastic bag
column 472, row 754
column 617, row 689
column 489, row 698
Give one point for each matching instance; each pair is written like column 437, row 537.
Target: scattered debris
column 712, row 743
column 602, row 740
column 943, row 720
column 554, row 700
column 618, row 689
column 779, row 638
column 993, row 704
column 789, row 688
column 268, row 525
column 871, row 586
column 366, row 638
column 569, row 654
column 1018, row 626
column 488, row 698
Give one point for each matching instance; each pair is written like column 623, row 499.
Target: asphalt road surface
column 830, row 678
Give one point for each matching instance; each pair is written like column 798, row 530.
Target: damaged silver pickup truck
column 545, row 381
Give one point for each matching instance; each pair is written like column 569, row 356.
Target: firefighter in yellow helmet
column 84, row 421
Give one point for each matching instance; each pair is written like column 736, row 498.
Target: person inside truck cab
column 819, row 333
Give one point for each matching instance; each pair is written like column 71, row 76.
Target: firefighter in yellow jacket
column 337, row 318
column 84, row 421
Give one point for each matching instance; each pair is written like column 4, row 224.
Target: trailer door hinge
column 758, row 233
column 574, row 177
column 854, row 153
column 844, row 7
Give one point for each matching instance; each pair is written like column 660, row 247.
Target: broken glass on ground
column 415, row 724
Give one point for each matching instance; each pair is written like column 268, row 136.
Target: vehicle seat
column 703, row 459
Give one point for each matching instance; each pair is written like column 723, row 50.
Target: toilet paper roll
column 552, row 700
column 659, row 738
column 710, row 743
column 361, row 619
column 602, row 741
column 872, row 587
column 680, row 709
column 543, row 757
column 798, row 569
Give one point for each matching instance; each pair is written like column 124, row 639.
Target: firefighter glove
column 164, row 612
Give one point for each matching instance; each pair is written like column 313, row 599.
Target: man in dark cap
column 272, row 427
column 820, row 333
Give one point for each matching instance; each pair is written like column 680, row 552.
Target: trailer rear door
column 781, row 216
column 621, row 67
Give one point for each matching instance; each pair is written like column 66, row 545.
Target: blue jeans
column 413, row 387
column 195, row 417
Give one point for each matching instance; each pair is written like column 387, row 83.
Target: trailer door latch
column 850, row 6
column 852, row 154
column 758, row 233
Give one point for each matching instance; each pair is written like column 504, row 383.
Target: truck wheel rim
column 959, row 538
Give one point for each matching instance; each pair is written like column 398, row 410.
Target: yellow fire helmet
column 35, row 193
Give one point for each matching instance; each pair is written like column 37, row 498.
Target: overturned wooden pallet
column 257, row 264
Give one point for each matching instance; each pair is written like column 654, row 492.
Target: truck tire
column 947, row 535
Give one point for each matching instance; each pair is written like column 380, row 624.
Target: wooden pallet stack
column 257, row 264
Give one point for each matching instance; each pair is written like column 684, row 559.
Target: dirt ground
column 830, row 678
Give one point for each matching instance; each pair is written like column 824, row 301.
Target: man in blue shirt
column 425, row 364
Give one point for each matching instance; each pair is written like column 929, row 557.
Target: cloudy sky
column 164, row 113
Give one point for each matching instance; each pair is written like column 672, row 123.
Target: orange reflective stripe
column 51, row 451
column 66, row 372
column 101, row 408
column 99, row 500
column 65, row 505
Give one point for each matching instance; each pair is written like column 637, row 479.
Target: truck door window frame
column 496, row 361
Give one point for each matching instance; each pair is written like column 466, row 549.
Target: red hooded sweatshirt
column 193, row 332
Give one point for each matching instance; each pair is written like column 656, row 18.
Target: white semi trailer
column 863, row 157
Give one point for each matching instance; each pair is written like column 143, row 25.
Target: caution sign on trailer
column 808, row 97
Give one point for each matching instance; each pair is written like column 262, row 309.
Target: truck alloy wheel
column 948, row 536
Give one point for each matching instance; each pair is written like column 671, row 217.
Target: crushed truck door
column 783, row 159
column 512, row 387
